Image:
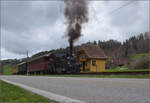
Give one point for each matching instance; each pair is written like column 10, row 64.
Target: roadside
column 55, row 98
column 13, row 94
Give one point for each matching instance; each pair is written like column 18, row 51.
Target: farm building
column 92, row 58
column 120, row 61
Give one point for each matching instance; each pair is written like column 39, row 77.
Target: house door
column 83, row 65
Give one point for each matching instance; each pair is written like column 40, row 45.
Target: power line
column 111, row 12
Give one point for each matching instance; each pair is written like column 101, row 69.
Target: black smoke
column 76, row 13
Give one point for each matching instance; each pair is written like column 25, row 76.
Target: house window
column 93, row 62
column 83, row 57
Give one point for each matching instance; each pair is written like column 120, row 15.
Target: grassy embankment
column 7, row 70
column 126, row 70
column 13, row 94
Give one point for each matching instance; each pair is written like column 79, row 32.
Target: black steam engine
column 62, row 63
column 65, row 62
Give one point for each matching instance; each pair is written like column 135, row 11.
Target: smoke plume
column 76, row 13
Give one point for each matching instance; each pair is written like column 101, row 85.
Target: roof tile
column 93, row 51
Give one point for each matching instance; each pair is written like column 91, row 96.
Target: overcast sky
column 40, row 25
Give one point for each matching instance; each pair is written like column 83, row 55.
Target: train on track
column 48, row 64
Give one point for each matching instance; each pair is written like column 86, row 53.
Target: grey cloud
column 37, row 26
column 122, row 23
column 132, row 18
column 22, row 21
column 34, row 42
column 24, row 16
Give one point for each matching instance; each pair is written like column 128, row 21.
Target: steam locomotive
column 62, row 63
column 50, row 63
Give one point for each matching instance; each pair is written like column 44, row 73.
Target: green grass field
column 7, row 70
column 137, row 56
column 13, row 94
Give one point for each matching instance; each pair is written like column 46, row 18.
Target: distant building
column 120, row 62
column 92, row 58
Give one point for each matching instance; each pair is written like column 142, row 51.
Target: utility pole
column 96, row 67
column 1, row 67
column 27, row 62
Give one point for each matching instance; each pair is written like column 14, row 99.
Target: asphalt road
column 91, row 90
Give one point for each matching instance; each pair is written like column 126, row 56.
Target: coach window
column 93, row 62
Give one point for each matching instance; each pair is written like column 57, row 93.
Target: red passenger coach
column 39, row 64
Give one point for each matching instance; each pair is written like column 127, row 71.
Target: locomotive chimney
column 71, row 47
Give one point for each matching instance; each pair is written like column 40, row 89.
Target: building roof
column 93, row 51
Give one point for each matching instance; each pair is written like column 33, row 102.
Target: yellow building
column 92, row 58
column 15, row 70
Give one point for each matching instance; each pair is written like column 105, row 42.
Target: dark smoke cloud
column 76, row 13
